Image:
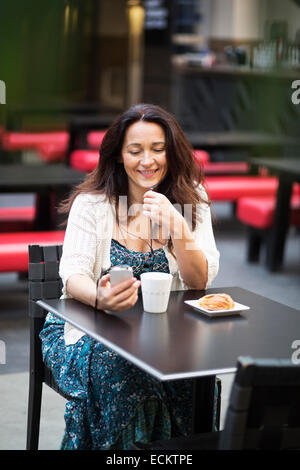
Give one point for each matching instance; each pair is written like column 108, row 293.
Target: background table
column 51, row 183
column 288, row 171
column 183, row 343
column 240, row 145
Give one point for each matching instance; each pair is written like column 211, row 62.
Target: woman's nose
column 147, row 158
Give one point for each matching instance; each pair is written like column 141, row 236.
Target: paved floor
column 231, row 240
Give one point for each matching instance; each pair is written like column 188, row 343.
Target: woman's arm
column 117, row 298
column 78, row 263
column 82, row 288
column 196, row 253
column 191, row 260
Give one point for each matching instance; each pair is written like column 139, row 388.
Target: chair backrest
column 264, row 407
column 43, row 277
column 44, row 283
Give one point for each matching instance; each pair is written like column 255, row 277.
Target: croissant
column 216, row 302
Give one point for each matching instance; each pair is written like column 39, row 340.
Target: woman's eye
column 134, row 152
column 159, row 150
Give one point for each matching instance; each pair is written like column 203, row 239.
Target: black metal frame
column 44, row 283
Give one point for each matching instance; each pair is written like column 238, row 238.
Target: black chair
column 44, row 283
column 263, row 411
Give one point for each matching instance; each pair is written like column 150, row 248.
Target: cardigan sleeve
column 204, row 237
column 79, row 248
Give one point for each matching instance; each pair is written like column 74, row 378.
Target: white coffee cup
column 156, row 289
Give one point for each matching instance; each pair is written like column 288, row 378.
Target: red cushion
column 221, row 168
column 32, row 140
column 94, row 138
column 14, row 248
column 231, row 188
column 84, row 160
column 15, row 219
column 259, row 212
column 52, row 152
column 22, row 214
column 201, row 157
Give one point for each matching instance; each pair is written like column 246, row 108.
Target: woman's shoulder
column 90, row 198
column 201, row 190
column 89, row 203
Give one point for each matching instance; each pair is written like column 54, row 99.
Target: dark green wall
column 46, row 51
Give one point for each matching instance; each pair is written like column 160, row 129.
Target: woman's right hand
column 117, row 298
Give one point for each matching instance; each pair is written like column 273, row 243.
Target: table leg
column 59, row 195
column 47, row 202
column 276, row 241
column 203, row 404
column 44, row 215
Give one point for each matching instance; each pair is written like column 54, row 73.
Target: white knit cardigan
column 86, row 248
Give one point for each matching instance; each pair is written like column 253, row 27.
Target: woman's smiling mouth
column 147, row 173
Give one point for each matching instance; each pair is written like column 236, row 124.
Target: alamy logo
column 296, row 94
column 296, row 354
column 2, row 352
column 2, row 92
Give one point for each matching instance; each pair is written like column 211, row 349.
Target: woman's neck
column 136, row 196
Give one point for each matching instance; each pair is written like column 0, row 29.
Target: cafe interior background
column 227, row 70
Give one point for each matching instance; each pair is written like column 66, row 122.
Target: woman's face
column 144, row 155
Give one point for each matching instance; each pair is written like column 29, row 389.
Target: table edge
column 139, row 363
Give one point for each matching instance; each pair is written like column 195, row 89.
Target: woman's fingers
column 122, row 286
column 150, row 194
column 125, row 294
column 104, row 279
column 129, row 302
column 151, row 207
column 120, row 297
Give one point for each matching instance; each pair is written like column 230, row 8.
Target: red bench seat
column 12, row 141
column 50, row 146
column 259, row 211
column 94, row 139
column 14, row 247
column 16, row 218
column 52, row 152
column 84, row 160
column 226, row 168
column 201, row 156
column 12, row 214
column 231, row 188
column 258, row 214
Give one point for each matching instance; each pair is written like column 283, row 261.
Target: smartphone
column 120, row 273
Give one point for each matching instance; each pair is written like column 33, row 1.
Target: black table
column 288, row 171
column 51, row 183
column 182, row 343
column 239, row 145
column 238, row 139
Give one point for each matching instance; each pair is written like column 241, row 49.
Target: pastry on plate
column 216, row 302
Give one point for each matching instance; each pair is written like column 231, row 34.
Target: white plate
column 218, row 313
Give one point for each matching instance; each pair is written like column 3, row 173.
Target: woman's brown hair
column 109, row 177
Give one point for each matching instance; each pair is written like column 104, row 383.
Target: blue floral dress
column 112, row 403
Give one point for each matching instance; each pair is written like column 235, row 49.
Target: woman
column 147, row 167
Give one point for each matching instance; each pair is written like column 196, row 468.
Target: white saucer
column 218, row 313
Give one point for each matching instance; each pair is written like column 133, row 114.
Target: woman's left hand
column 161, row 211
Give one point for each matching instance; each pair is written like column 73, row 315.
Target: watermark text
column 296, row 354
column 2, row 352
column 2, row 92
column 296, row 94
